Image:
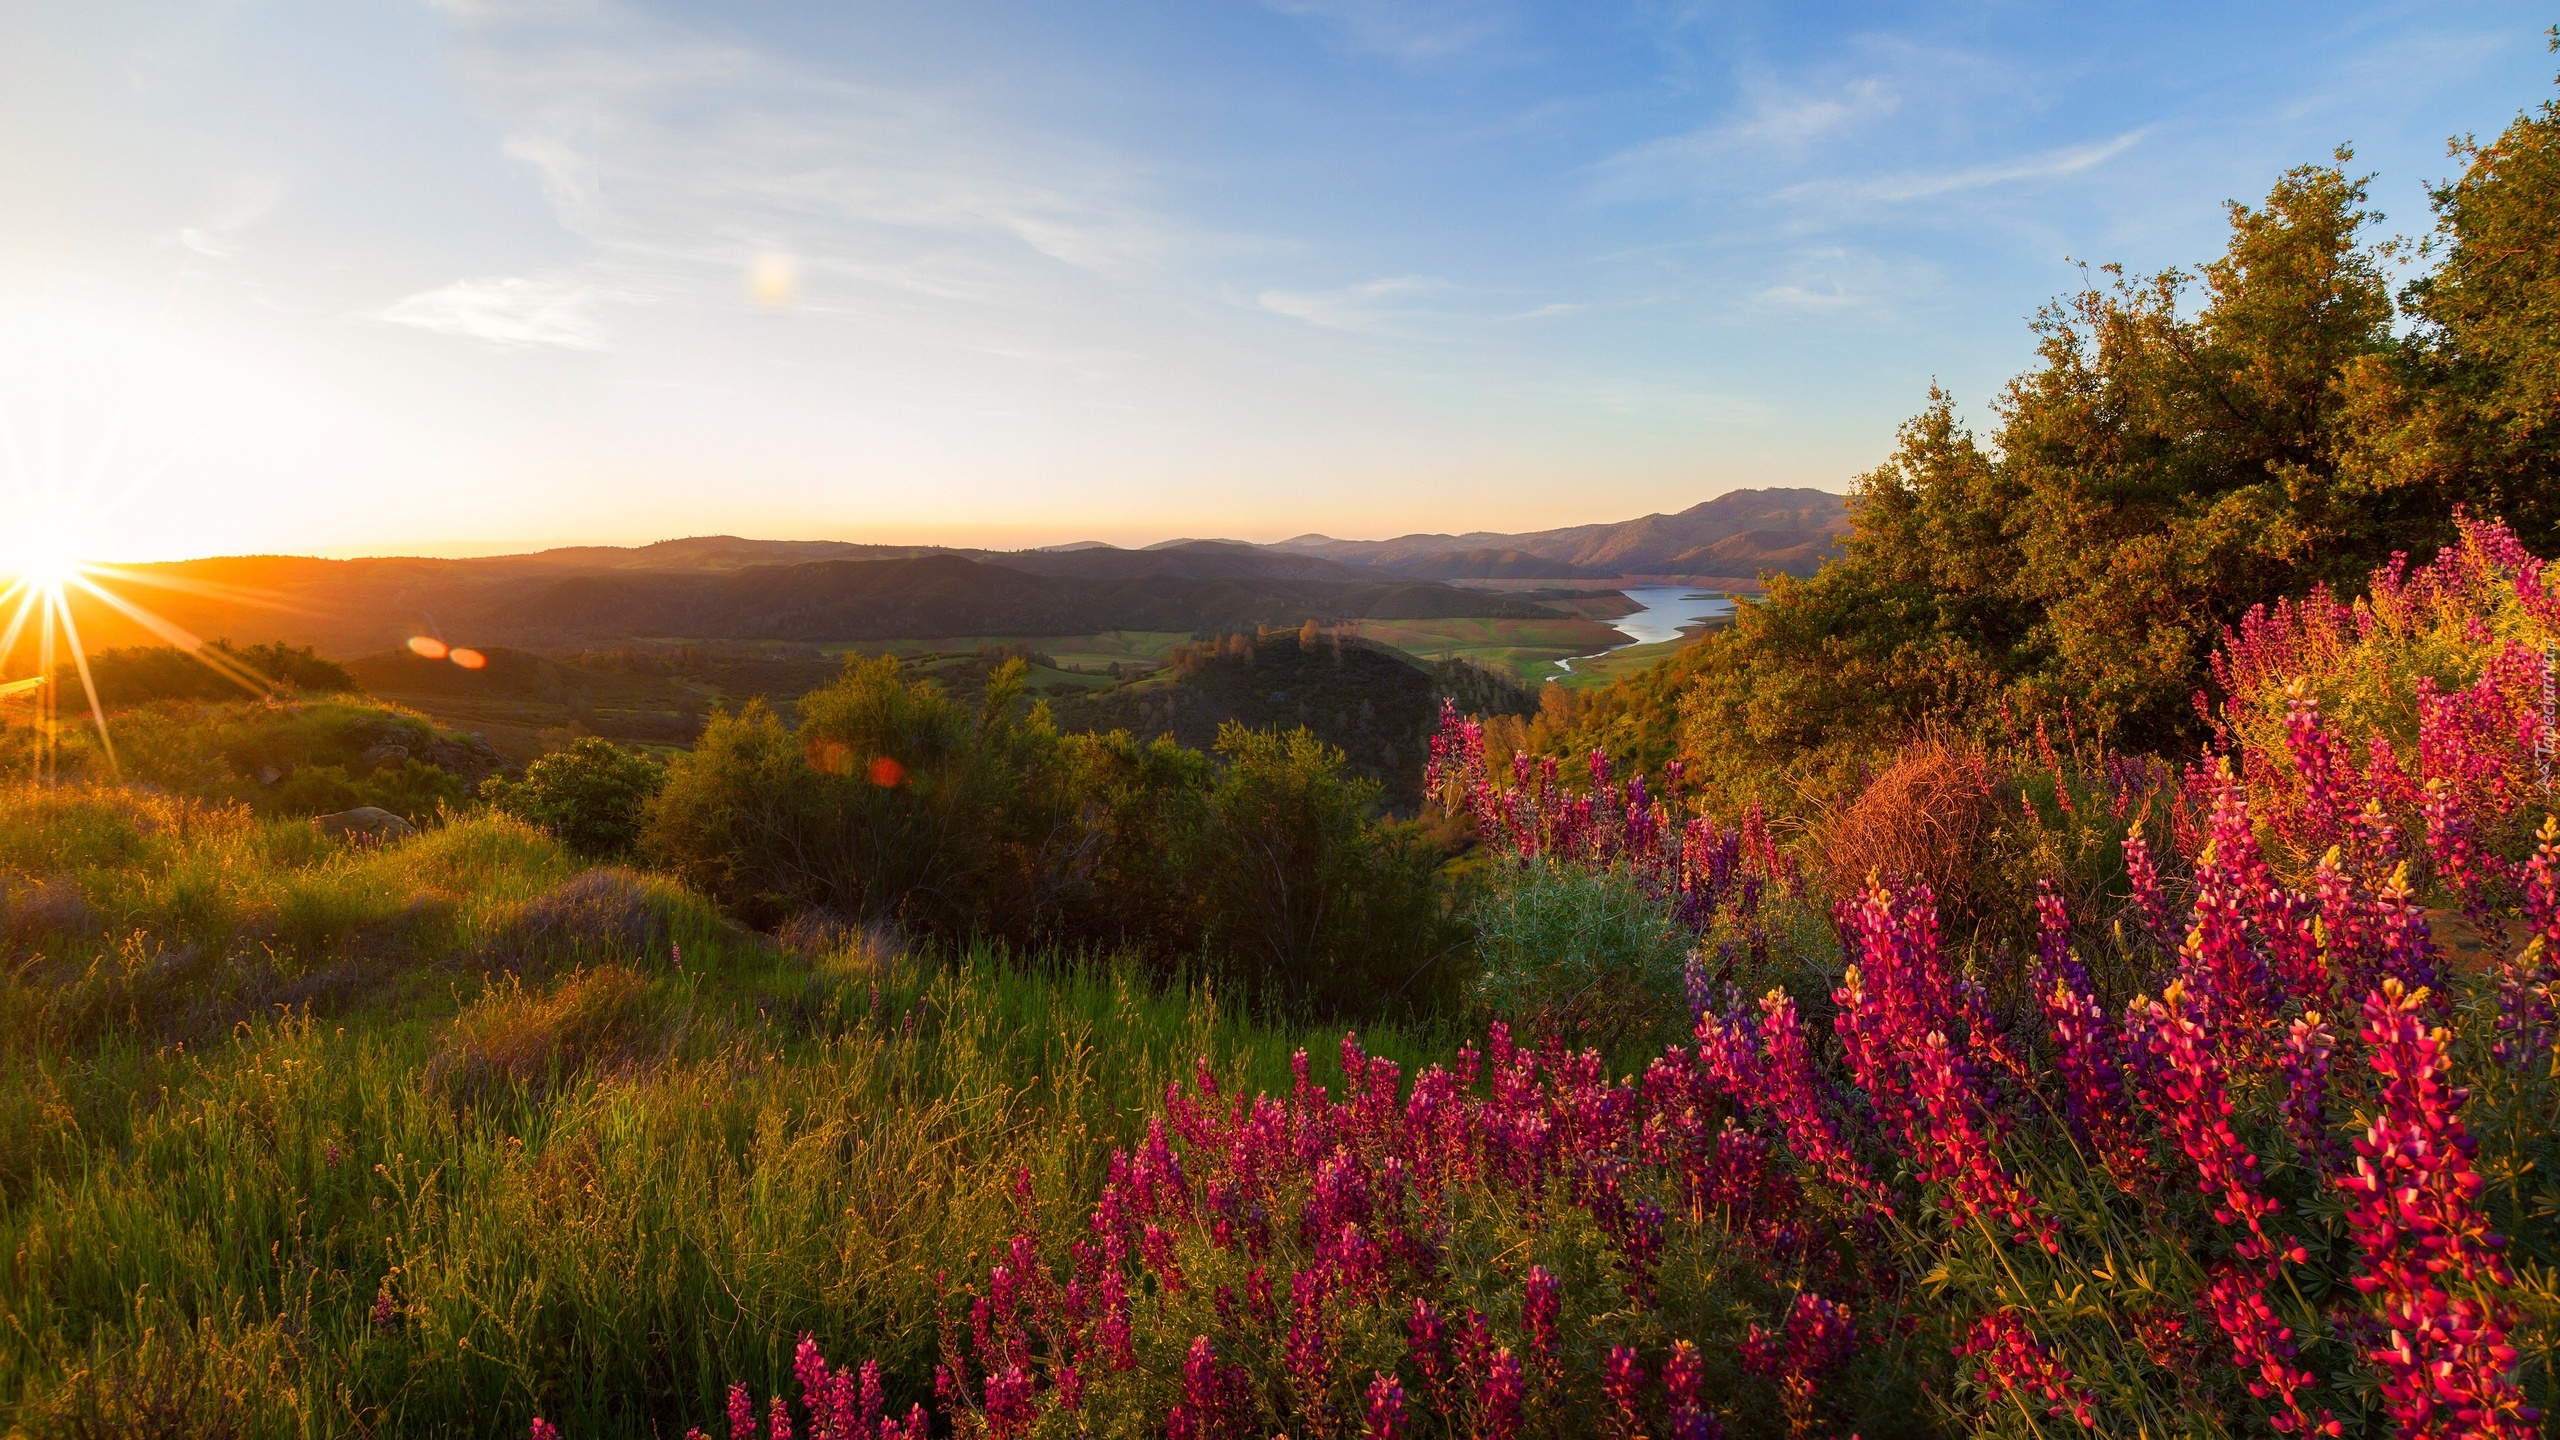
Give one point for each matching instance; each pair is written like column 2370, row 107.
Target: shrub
column 592, row 794
column 1924, row 819
column 1311, row 901
column 1269, row 866
column 1582, row 953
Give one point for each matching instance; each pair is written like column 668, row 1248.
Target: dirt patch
column 34, row 912
column 609, row 914
column 513, row 1041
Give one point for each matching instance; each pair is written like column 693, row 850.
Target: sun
column 42, row 653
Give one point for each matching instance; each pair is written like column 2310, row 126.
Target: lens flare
column 429, row 646
column 42, row 574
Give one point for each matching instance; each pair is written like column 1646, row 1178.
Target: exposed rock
column 365, row 822
column 470, row 760
column 270, row 774
column 381, row 755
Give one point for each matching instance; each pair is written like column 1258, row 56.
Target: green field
column 1525, row 648
column 1602, row 670
column 1081, row 652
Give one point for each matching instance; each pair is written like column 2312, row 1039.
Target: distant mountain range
column 729, row 588
column 1737, row 534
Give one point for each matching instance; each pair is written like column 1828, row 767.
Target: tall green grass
column 283, row 1228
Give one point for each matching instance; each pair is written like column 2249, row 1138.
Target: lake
column 1668, row 609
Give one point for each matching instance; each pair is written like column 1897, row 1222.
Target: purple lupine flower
column 2090, row 1056
column 2415, row 1213
column 1684, row 1378
column 1383, row 1417
column 2305, row 1065
column 1817, row 1338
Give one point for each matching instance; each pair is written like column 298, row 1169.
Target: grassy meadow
column 305, row 1138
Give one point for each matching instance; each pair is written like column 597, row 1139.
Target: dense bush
column 1579, row 952
column 1266, row 864
column 591, row 793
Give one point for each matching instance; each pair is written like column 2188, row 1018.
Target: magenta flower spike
column 1501, row 1397
column 1684, row 1378
column 1383, row 1416
column 2192, row 1101
column 542, row 1429
column 2414, row 1211
column 1623, row 1383
column 742, row 1414
column 2012, row 1360
column 1541, row 1309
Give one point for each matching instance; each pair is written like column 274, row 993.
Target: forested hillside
column 2190, row 446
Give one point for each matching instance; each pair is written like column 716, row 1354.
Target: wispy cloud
column 1407, row 30
column 1924, row 184
column 506, row 311
column 682, row 158
column 215, row 235
column 1370, row 306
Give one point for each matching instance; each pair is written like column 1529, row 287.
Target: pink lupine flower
column 2191, row 1100
column 1426, row 1339
column 2150, row 907
column 542, row 1429
column 742, row 1413
column 2263, row 1346
column 2527, row 1016
column 1193, row 1416
column 1114, row 1333
column 2013, row 1361
column 777, row 1425
column 2415, row 1212
column 1383, row 1417
column 1308, row 1356
column 1010, row 1408
column 1776, row 1077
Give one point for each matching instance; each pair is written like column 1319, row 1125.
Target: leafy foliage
column 1271, row 865
column 590, row 793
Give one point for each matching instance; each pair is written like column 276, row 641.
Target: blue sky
column 362, row 277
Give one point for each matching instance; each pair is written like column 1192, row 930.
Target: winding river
column 1668, row 609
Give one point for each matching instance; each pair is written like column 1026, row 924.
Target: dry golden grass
column 1924, row 819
